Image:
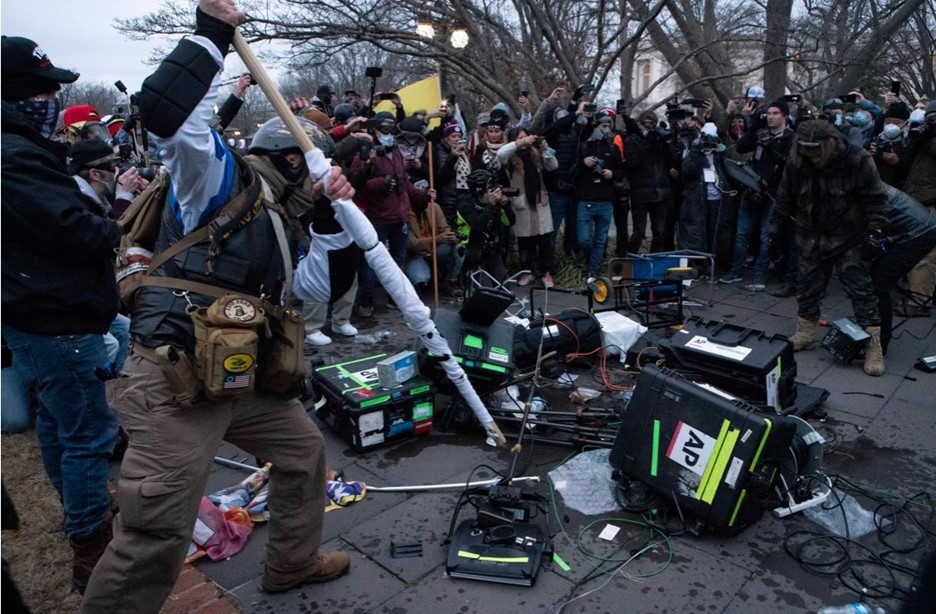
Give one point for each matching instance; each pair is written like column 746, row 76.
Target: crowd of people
column 814, row 203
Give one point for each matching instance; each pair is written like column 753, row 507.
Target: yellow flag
column 425, row 94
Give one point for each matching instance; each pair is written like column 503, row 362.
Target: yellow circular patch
column 238, row 363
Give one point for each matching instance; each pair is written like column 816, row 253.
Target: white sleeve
column 200, row 165
column 504, row 153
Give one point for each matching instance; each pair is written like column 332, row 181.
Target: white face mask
column 917, row 116
column 891, row 131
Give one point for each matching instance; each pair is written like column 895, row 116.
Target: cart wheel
column 600, row 289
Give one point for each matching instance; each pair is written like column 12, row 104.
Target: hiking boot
column 325, row 567
column 908, row 309
column 783, row 291
column 87, row 552
column 873, row 356
column 805, row 336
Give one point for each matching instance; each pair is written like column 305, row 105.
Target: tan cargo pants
column 164, row 475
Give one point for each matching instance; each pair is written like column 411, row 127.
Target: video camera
column 146, row 172
column 510, row 192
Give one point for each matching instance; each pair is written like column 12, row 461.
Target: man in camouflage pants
column 833, row 193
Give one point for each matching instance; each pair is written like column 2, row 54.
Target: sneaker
column 730, row 278
column 525, row 280
column 365, row 311
column 325, row 567
column 317, row 337
column 345, row 329
column 548, row 281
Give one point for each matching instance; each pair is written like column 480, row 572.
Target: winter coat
column 692, row 224
column 921, row 178
column 648, row 163
column 58, row 245
column 386, row 205
column 770, row 153
column 533, row 218
column 420, row 230
column 834, row 207
column 448, row 195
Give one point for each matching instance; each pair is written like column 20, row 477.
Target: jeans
column 752, row 217
column 395, row 237
column 16, row 409
column 75, row 427
column 117, row 341
column 594, row 221
column 562, row 207
column 449, row 258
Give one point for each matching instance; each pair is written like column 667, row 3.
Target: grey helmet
column 274, row 137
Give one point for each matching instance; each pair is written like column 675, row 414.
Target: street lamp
column 428, row 28
column 459, row 37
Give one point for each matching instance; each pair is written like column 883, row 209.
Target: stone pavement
column 881, row 432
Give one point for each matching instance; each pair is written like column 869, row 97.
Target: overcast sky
column 79, row 34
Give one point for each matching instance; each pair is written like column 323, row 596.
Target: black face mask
column 292, row 175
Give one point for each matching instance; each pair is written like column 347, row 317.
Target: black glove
column 874, row 246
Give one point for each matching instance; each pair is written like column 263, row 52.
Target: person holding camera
column 921, row 185
column 889, row 146
column 387, row 195
column 484, row 223
column 451, row 165
column 524, row 158
column 649, row 164
column 599, row 167
column 706, row 193
column 831, row 191
column 769, row 139
column 450, row 254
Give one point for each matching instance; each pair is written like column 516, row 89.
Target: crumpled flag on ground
column 342, row 494
column 218, row 534
column 240, row 495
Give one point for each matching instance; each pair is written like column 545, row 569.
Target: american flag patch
column 236, row 381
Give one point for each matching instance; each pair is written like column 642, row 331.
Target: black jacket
column 770, row 153
column 648, row 162
column 58, row 245
column 589, row 186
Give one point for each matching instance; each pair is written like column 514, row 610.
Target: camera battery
column 393, row 371
column 845, row 340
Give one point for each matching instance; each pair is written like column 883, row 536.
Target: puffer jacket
column 835, row 207
column 648, row 163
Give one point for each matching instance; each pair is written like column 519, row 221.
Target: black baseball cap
column 27, row 70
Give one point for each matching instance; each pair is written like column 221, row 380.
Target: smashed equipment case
column 744, row 362
column 715, row 456
column 367, row 415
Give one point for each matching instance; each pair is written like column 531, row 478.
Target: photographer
column 94, row 168
column 649, row 165
column 484, row 221
column 599, row 167
column 524, row 158
column 452, row 167
column 388, row 194
column 770, row 140
column 921, row 185
column 706, row 193
column 450, row 254
column 889, row 147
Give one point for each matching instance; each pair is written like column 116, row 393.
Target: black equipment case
column 571, row 331
column 484, row 351
column 367, row 415
column 713, row 455
column 747, row 363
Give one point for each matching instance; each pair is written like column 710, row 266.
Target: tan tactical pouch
column 180, row 373
column 227, row 345
column 284, row 365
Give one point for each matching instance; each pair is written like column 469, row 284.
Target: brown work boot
column 873, row 356
column 87, row 552
column 325, row 567
column 805, row 336
column 909, row 309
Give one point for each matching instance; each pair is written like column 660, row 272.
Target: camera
column 146, row 172
column 538, row 142
column 849, row 98
column 462, row 237
column 693, row 102
column 374, row 72
column 365, row 149
column 597, row 169
column 387, row 96
column 510, row 191
column 591, row 108
column 794, row 98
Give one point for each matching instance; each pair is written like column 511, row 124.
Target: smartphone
column 895, row 88
column 620, row 107
column 387, row 96
column 849, row 98
column 796, row 98
column 374, row 72
column 588, row 87
column 525, row 93
column 591, row 108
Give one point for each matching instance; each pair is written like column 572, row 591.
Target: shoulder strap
column 280, row 231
